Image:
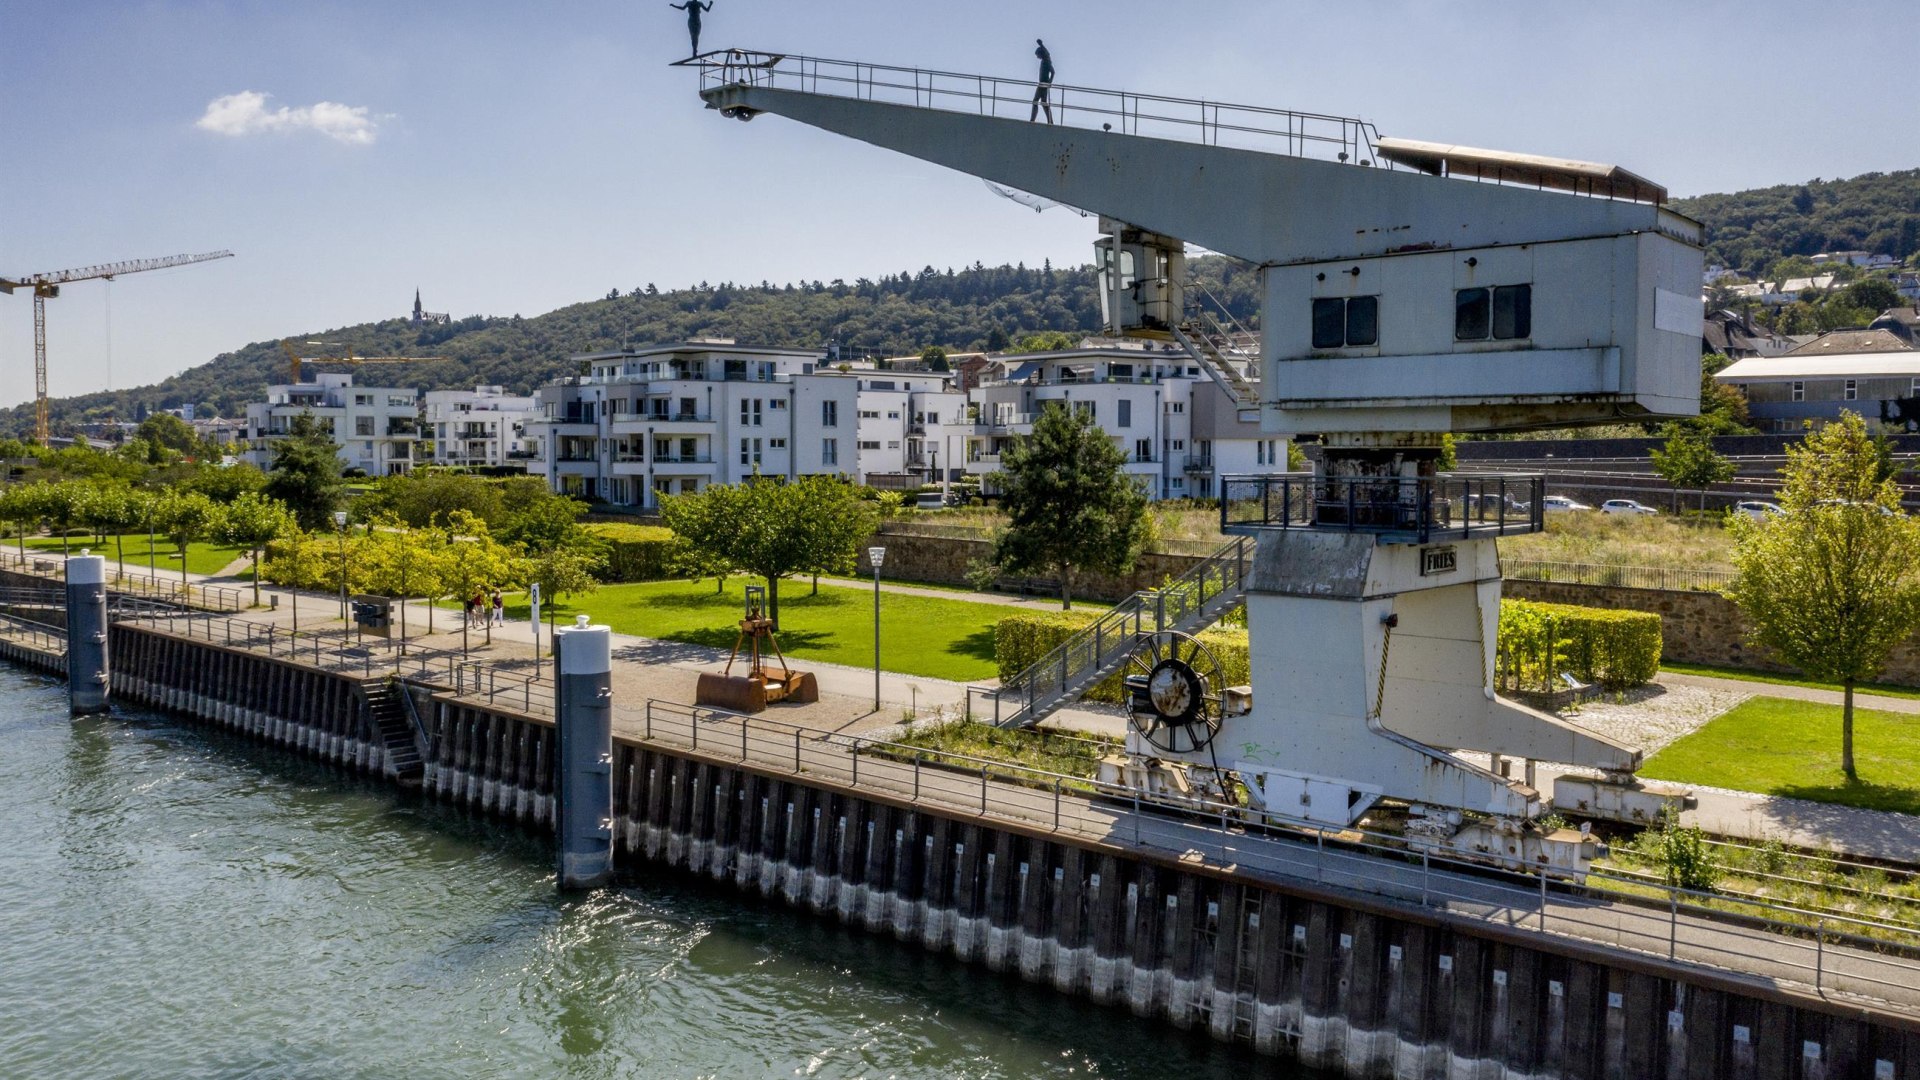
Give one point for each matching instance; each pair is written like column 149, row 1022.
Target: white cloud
column 246, row 113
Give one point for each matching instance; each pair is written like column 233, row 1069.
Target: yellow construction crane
column 46, row 285
column 295, row 362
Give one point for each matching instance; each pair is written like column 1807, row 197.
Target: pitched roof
column 1839, row 342
column 1872, row 365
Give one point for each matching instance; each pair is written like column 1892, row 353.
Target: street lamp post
column 340, row 526
column 876, row 555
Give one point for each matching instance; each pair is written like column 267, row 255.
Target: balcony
column 1002, row 421
column 683, row 459
column 1198, row 463
column 1398, row 509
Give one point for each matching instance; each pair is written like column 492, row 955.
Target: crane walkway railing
column 1205, row 340
column 1189, row 604
column 1212, row 123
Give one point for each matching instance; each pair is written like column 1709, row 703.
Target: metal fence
column 152, row 585
column 1745, row 936
column 1415, row 509
column 1633, row 577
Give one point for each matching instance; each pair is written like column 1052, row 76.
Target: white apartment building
column 1180, row 429
column 485, row 426
column 913, row 428
column 675, row 418
column 376, row 427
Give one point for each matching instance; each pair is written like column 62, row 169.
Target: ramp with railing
column 1191, row 603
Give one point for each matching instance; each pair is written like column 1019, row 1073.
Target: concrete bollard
column 583, row 708
column 87, row 633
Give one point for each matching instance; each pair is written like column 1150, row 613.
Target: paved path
column 1793, row 693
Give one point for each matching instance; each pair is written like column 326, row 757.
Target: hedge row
column 1616, row 649
column 1020, row 640
column 636, row 552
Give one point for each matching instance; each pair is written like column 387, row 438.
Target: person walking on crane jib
column 1045, row 85
column 693, row 9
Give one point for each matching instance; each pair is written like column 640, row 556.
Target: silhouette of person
column 693, row 8
column 1045, row 85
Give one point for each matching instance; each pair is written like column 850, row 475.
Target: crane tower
column 47, row 285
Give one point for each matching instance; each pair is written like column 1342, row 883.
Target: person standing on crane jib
column 693, row 8
column 1045, row 86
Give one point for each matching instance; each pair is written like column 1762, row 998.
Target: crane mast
column 48, row 284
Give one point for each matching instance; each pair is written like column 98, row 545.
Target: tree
column 1688, row 460
column 1070, row 504
column 112, row 510
column 297, row 562
column 771, row 529
column 184, row 517
column 1873, row 294
column 167, row 435
column 475, row 562
column 935, row 358
column 253, row 521
column 63, row 505
column 306, row 472
column 23, row 505
column 398, row 564
column 1832, row 584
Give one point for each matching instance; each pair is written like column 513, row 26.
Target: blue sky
column 518, row 157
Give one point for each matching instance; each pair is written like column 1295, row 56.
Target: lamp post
column 876, row 555
column 340, row 526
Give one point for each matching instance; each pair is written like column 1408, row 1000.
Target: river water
column 176, row 902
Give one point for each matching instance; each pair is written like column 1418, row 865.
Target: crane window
column 1500, row 313
column 1346, row 322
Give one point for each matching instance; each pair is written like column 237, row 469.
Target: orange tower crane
column 48, row 284
column 297, row 363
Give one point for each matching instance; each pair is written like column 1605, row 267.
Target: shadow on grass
column 1864, row 794
column 975, row 646
column 723, row 639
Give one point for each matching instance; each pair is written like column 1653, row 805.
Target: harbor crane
column 297, row 363
column 48, row 285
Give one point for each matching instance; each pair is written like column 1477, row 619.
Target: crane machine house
column 1410, row 290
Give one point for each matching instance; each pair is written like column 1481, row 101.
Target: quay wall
column 1339, row 981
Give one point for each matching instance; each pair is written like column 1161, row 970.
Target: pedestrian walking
column 478, row 605
column 693, row 8
column 467, row 606
column 499, row 609
column 1044, row 88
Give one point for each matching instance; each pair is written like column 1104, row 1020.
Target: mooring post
column 87, row 633
column 583, row 714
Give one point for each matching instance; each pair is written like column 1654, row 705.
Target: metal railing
column 1202, row 594
column 150, row 584
column 43, row 637
column 1747, row 937
column 1211, row 123
column 1671, row 578
column 1410, row 509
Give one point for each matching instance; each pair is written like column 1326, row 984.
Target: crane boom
column 109, row 270
column 48, row 284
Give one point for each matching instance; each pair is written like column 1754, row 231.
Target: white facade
column 484, row 426
column 376, row 427
column 1178, row 427
column 913, row 428
column 676, row 418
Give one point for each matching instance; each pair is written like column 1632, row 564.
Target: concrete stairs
column 1193, row 602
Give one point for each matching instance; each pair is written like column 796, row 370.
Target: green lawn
column 202, row 558
column 1774, row 678
column 919, row 635
column 1778, row 747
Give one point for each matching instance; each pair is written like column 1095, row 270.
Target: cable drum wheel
column 1174, row 688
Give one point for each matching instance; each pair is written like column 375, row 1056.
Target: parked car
column 1758, row 509
column 1625, row 506
column 1552, row 503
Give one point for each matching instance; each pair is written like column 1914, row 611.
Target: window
column 777, row 404
column 1502, row 313
column 829, row 414
column 363, row 399
column 1179, row 444
column 1125, row 419
column 893, row 444
column 1087, row 409
column 869, row 444
column 1176, row 407
column 776, row 444
column 893, row 414
column 1915, row 388
column 1143, row 449
column 749, row 452
column 750, row 412
column 869, row 414
column 1346, row 322
column 829, row 451
column 1799, row 391
column 363, row 425
column 1851, row 392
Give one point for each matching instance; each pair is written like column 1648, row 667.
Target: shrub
column 1616, row 649
column 1020, row 640
column 635, row 552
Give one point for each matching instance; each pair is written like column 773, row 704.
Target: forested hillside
column 1751, row 230
column 977, row 308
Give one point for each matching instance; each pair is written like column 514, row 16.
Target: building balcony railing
column 1406, row 509
column 572, row 458
column 1198, row 463
column 1004, row 420
column 683, row 459
column 671, row 418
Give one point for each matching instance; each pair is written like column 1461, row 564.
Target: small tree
column 400, row 563
column 474, row 561
column 253, row 521
column 1832, row 584
column 63, row 504
column 306, row 472
column 296, row 561
column 185, row 517
column 23, row 505
column 1070, row 504
column 112, row 509
column 1688, row 460
column 772, row 529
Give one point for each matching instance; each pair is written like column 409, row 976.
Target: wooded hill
column 965, row 310
column 976, row 308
